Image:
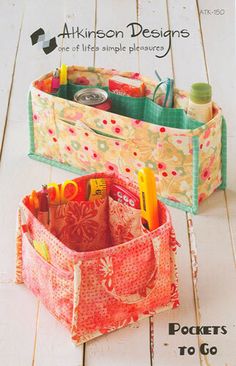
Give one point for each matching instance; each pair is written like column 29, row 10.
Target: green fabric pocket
column 127, row 106
column 169, row 117
column 138, row 108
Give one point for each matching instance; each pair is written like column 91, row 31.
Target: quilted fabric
column 98, row 280
column 185, row 154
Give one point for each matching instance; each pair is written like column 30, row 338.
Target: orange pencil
column 34, row 203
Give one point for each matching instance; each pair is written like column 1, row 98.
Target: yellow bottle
column 200, row 104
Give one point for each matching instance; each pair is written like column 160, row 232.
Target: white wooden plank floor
column 29, row 335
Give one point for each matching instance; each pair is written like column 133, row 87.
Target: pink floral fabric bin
column 187, row 156
column 103, row 269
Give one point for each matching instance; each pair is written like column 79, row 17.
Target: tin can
column 93, row 97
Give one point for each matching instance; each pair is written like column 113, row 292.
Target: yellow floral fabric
column 93, row 140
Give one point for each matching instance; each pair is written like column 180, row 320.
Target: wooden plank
column 60, row 175
column 126, row 346
column 82, row 15
column 186, row 51
column 230, row 195
column 213, row 214
column 216, row 277
column 54, row 345
column 223, row 83
column 153, row 15
column 14, row 171
column 32, row 59
column 215, row 257
column 8, row 25
column 15, row 182
column 166, row 346
column 18, row 344
column 17, row 325
column 166, row 349
column 218, row 29
column 115, row 15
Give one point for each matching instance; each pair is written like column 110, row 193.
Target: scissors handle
column 71, row 195
column 60, row 194
column 54, row 195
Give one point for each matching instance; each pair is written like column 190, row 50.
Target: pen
column 34, row 203
column 43, row 213
column 148, row 198
column 55, row 81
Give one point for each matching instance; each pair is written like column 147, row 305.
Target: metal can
column 93, row 97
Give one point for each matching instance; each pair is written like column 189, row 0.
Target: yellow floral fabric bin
column 187, row 156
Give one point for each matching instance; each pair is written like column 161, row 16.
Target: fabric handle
column 137, row 298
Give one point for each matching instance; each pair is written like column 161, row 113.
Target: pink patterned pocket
column 81, row 226
column 52, row 285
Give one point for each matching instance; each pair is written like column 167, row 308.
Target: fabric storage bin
column 188, row 157
column 103, row 269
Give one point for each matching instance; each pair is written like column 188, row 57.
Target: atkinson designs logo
column 160, row 39
column 47, row 45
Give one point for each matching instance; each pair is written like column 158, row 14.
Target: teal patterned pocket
column 138, row 108
column 127, row 106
